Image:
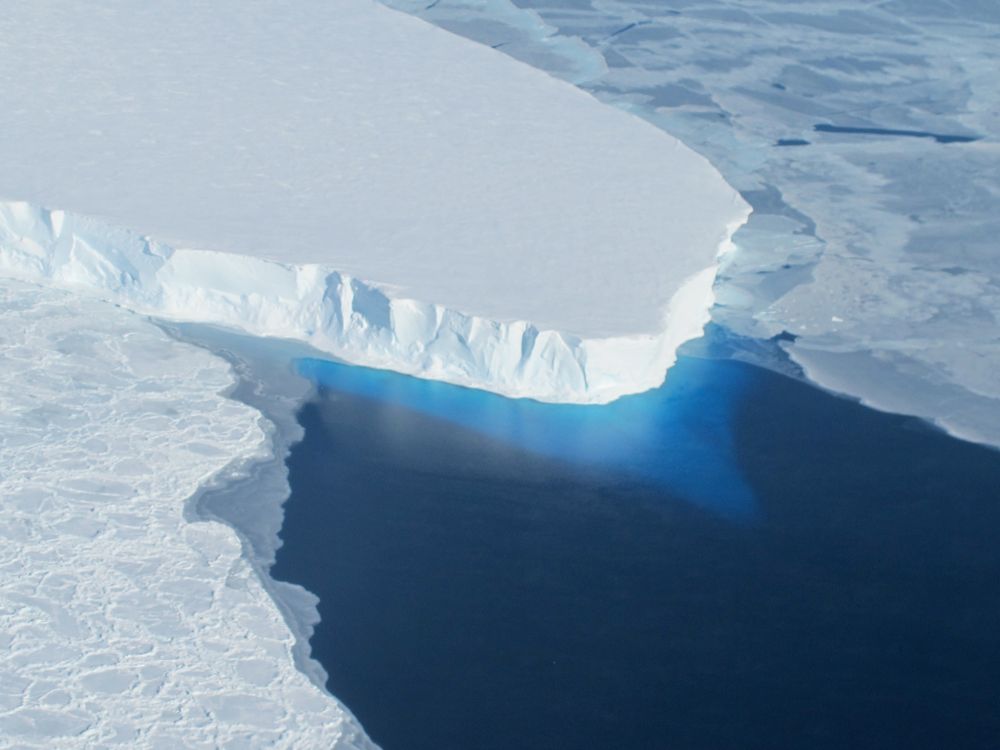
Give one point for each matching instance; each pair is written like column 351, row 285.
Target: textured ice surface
column 121, row 622
column 358, row 139
column 877, row 250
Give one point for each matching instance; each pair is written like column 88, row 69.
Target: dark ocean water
column 736, row 560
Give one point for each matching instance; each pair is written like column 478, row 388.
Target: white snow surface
column 524, row 237
column 121, row 622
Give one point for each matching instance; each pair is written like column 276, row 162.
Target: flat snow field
column 357, row 137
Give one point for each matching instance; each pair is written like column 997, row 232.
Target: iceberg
column 353, row 177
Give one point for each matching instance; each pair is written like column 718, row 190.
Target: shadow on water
column 489, row 578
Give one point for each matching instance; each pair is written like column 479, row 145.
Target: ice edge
column 355, row 320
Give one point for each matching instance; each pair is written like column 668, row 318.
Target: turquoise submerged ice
column 678, row 438
column 876, row 249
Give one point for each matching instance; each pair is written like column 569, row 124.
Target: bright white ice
column 375, row 145
column 122, row 623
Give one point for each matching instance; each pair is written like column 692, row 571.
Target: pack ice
column 122, row 623
column 351, row 176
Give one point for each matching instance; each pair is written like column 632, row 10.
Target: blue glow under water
column 679, row 437
column 736, row 561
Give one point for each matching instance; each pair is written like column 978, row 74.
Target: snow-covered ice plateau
column 122, row 622
column 355, row 177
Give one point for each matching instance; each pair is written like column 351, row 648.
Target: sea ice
column 123, row 623
column 876, row 250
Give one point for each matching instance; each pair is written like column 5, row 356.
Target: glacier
column 447, row 212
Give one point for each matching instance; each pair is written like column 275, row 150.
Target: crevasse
column 349, row 318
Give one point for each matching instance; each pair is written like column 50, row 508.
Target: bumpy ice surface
column 122, row 623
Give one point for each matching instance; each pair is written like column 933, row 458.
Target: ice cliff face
column 344, row 316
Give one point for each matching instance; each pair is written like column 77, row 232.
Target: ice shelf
column 468, row 217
